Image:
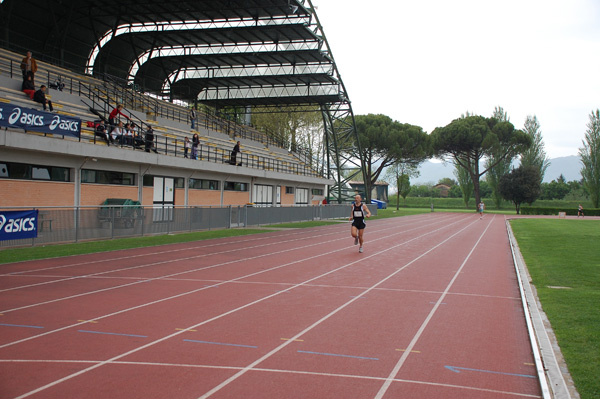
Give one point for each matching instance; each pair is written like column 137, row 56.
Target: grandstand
column 158, row 62
column 264, row 162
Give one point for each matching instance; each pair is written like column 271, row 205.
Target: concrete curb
column 552, row 369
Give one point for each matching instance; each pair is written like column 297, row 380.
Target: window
column 301, row 196
column 235, row 186
column 317, row 191
column 107, row 177
column 34, row 172
column 201, row 184
column 289, row 190
column 263, row 195
column 148, row 181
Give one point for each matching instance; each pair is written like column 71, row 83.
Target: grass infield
column 562, row 258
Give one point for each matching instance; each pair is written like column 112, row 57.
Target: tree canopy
column 521, row 185
column 470, row 139
column 385, row 142
column 590, row 158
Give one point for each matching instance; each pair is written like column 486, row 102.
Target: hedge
column 534, row 210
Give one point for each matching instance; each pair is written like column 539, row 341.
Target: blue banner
column 39, row 121
column 15, row 225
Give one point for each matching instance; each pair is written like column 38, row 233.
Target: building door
column 164, row 199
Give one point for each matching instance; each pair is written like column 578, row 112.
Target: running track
column 431, row 309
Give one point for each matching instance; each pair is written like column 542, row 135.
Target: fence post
column 77, row 224
column 112, row 223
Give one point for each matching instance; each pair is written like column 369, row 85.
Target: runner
column 359, row 211
column 481, row 208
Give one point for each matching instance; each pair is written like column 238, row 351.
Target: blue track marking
column 335, row 354
column 109, row 333
column 457, row 370
column 18, row 325
column 220, row 343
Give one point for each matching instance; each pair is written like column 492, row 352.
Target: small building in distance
column 379, row 191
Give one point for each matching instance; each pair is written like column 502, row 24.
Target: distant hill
column 569, row 167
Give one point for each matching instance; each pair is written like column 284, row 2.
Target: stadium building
column 221, row 58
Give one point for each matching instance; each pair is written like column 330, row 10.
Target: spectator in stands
column 186, row 147
column 195, row 142
column 128, row 135
column 40, row 97
column 234, row 153
column 112, row 117
column 100, row 131
column 29, row 65
column 28, row 87
column 150, row 140
column 117, row 133
column 138, row 139
column 193, row 118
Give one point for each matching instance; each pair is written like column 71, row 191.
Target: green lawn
column 564, row 253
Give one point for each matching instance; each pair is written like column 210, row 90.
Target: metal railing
column 105, row 91
column 91, row 223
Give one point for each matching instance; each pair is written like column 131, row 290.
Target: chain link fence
column 68, row 224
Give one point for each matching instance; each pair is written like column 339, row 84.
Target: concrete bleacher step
column 170, row 130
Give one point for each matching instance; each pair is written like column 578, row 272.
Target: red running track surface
column 431, row 309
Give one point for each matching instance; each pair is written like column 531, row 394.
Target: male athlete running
column 359, row 212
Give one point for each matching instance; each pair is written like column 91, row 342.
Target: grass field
column 563, row 259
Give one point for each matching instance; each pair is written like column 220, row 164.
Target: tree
column 497, row 167
column 464, row 182
column 521, row 185
column 399, row 174
column 468, row 140
column 535, row 155
column 384, row 142
column 590, row 158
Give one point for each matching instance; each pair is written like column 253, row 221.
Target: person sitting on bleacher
column 40, row 97
column 28, row 87
column 117, row 133
column 100, row 131
column 128, row 135
column 138, row 139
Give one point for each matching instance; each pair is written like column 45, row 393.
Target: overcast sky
column 426, row 62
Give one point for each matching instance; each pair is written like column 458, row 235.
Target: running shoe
column 360, row 250
column 356, row 240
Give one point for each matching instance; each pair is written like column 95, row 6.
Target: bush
column 534, row 210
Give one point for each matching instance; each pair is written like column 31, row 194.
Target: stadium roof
column 222, row 52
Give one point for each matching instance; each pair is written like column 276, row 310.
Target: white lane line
column 237, row 249
column 326, row 317
column 413, row 342
column 276, row 371
column 141, row 281
column 189, row 292
column 361, row 259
